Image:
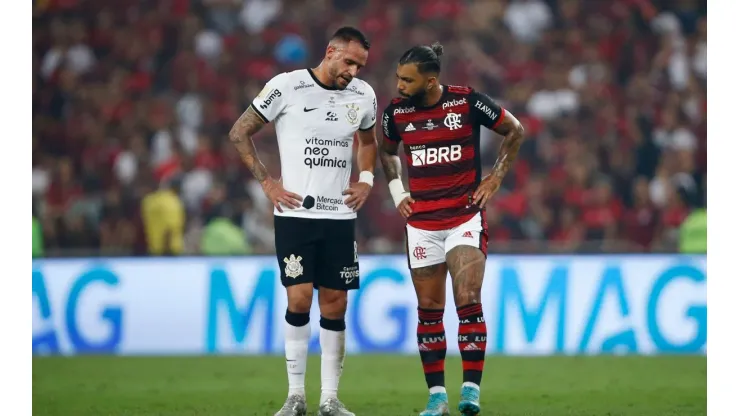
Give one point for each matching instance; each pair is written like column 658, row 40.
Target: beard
column 335, row 76
column 417, row 98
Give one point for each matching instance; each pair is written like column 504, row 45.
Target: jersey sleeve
column 272, row 100
column 485, row 111
column 390, row 132
column 370, row 115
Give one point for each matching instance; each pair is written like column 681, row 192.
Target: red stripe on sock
column 430, row 316
column 435, row 367
column 479, row 327
column 473, row 365
column 439, row 345
column 465, row 311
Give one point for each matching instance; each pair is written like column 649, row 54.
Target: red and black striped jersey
column 442, row 146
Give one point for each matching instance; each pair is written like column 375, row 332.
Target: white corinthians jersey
column 315, row 127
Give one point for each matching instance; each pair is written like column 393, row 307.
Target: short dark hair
column 348, row 33
column 425, row 57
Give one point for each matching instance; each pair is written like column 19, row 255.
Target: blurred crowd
column 133, row 100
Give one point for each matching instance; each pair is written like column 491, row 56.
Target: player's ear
column 430, row 83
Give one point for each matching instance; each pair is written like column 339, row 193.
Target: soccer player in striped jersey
column 446, row 228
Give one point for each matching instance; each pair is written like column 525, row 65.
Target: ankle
column 470, row 384
column 327, row 394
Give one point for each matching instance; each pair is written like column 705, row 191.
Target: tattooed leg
column 467, row 266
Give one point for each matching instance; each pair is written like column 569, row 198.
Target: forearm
column 241, row 136
column 391, row 166
column 392, row 169
column 509, row 150
column 367, row 153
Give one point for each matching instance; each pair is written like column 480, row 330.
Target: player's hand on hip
column 487, row 188
column 358, row 193
column 405, row 207
column 278, row 195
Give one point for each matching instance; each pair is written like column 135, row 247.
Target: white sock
column 332, row 361
column 471, row 384
column 437, row 389
column 296, row 352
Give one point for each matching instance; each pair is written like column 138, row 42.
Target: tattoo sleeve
column 390, row 160
column 248, row 124
column 513, row 133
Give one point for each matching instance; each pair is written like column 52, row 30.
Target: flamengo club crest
column 453, row 121
column 352, row 113
column 293, row 267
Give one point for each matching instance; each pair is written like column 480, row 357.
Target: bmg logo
column 434, row 155
column 274, row 95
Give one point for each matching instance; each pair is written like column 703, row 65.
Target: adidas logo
column 468, row 234
column 410, row 127
column 471, row 347
column 423, row 347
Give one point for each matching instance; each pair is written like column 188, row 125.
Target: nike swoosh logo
column 306, row 110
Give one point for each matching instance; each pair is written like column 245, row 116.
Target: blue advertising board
column 533, row 305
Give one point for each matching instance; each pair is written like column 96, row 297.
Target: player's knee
column 467, row 297
column 299, row 301
column 332, row 303
column 427, row 302
column 300, row 305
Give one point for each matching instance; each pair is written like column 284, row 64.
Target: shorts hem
column 476, row 245
column 419, row 265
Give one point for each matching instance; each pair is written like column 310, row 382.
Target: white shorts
column 427, row 248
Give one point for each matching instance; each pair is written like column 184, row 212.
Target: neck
column 322, row 74
column 433, row 96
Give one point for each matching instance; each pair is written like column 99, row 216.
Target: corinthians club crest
column 352, row 113
column 293, row 267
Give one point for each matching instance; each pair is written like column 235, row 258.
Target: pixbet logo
column 454, row 103
column 404, row 110
column 431, row 156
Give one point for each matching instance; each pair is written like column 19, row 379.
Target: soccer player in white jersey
column 316, row 114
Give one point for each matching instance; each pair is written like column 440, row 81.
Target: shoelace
column 468, row 393
column 289, row 405
column 435, row 401
column 339, row 404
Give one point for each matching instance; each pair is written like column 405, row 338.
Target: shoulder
column 460, row 89
column 361, row 88
column 395, row 104
column 281, row 79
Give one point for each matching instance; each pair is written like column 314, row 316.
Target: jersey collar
column 321, row 84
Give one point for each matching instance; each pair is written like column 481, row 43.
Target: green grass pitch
column 371, row 385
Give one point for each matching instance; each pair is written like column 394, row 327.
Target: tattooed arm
column 390, row 161
column 241, row 136
column 392, row 164
column 513, row 133
column 488, row 113
column 272, row 103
